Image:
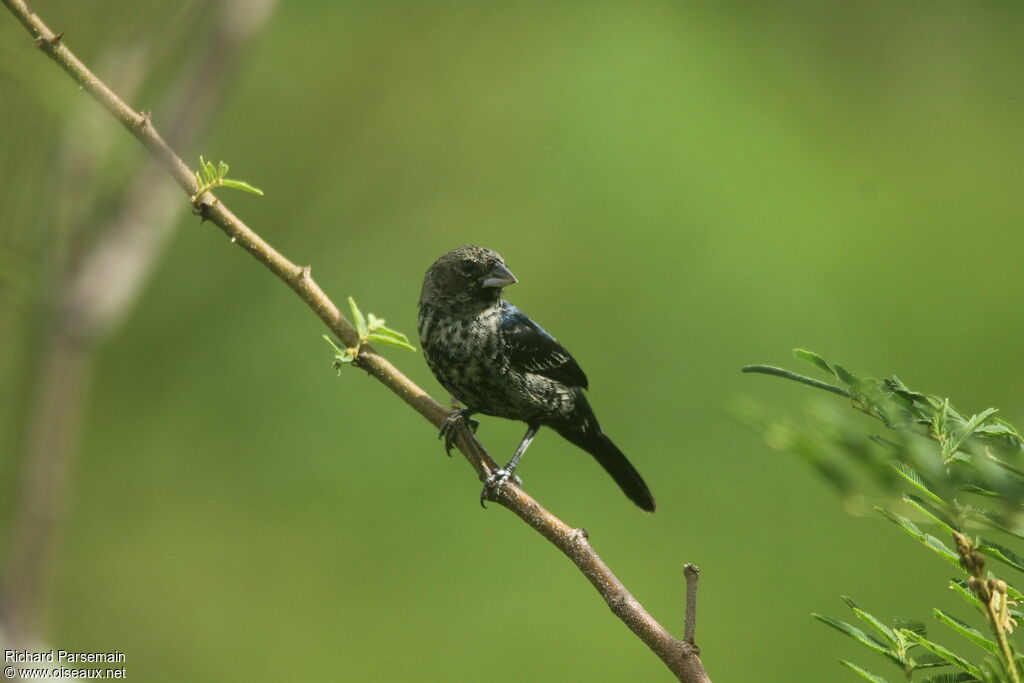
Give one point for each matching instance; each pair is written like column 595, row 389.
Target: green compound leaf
column 996, row 519
column 928, row 540
column 959, row 586
column 869, row 641
column 911, row 476
column 1001, row 553
column 867, row 675
column 948, row 655
column 967, row 631
column 926, row 660
column 957, row 677
column 894, row 640
column 935, row 515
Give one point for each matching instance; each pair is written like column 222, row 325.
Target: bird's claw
column 495, row 482
column 450, row 428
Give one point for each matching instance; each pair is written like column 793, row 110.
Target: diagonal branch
column 682, row 658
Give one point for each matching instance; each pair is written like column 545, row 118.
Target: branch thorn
column 44, row 42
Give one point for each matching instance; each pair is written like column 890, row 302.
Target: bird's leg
column 499, row 477
column 450, row 427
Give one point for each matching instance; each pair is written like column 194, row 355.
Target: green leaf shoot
column 370, row 329
column 357, row 316
column 210, row 177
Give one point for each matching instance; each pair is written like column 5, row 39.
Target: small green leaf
column 388, row 332
column 392, row 338
column 845, row 376
column 334, row 346
column 209, row 173
column 867, row 675
column 814, row 359
column 341, row 356
column 240, row 185
column 968, row 632
column 357, row 316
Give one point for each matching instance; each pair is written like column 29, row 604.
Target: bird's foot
column 496, row 481
column 450, row 427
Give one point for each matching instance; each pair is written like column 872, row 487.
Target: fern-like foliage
column 947, row 479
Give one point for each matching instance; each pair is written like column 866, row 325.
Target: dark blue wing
column 532, row 349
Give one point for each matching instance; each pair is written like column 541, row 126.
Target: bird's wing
column 532, row 349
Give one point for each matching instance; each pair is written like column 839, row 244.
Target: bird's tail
column 593, row 441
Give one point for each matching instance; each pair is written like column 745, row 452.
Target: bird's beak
column 499, row 277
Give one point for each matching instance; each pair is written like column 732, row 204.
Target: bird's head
column 467, row 279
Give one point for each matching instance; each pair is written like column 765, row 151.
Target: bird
column 494, row 360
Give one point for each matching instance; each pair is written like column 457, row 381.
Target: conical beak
column 499, row 277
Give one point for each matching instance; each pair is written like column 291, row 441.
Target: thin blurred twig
column 681, row 657
column 92, row 291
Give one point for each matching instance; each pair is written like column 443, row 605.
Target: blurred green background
column 682, row 188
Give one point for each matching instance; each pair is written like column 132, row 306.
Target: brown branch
column 680, row 657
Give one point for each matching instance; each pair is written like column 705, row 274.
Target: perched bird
column 497, row 361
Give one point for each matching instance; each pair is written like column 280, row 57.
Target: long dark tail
column 590, row 438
